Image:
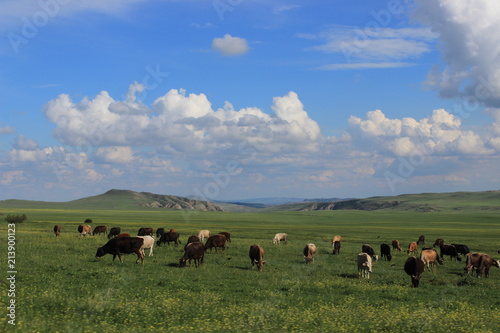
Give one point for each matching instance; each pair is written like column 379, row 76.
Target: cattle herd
column 123, row 243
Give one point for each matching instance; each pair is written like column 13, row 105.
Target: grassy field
column 61, row 287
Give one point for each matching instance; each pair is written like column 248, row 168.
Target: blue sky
column 233, row 99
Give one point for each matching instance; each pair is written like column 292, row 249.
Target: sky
column 237, row 99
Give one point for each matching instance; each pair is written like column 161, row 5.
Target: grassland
column 61, row 287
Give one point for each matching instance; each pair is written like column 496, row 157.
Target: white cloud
column 22, row 142
column 230, row 46
column 7, row 129
column 115, row 154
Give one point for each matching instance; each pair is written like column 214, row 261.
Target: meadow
column 61, row 287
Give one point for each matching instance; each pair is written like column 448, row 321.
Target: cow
column 149, row 242
column 57, row 230
column 371, row 252
column 396, row 246
column 449, row 250
column 256, row 255
column 193, row 251
column 421, row 240
column 122, row 245
column 123, row 234
column 461, row 248
column 227, row 234
column 336, row 238
column 80, row 228
column 438, row 242
column 159, row 232
column 192, row 239
column 202, row 234
column 114, row 232
column 217, row 242
column 280, row 237
column 309, row 252
column 412, row 248
column 481, row 263
column 100, row 229
column 364, row 265
column 86, row 230
column 336, row 247
column 385, row 252
column 414, row 267
column 145, row 232
column 430, row 256
column 168, row 237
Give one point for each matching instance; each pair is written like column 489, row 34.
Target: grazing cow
column 256, row 254
column 123, row 234
column 364, row 265
column 396, row 246
column 192, row 239
column 438, row 242
column 145, row 232
column 309, row 252
column 100, row 229
column 149, row 242
column 115, row 231
column 429, row 256
column 481, row 263
column 449, row 250
column 57, row 229
column 169, row 237
column 280, row 237
column 336, row 238
column 86, row 230
column 461, row 248
column 227, row 234
column 202, row 234
column 193, row 251
column 421, row 240
column 122, row 245
column 217, row 242
column 159, row 232
column 385, row 251
column 414, row 267
column 336, row 247
column 371, row 252
column 412, row 248
column 80, row 228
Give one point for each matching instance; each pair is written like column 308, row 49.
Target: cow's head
column 389, row 257
column 182, row 262
column 100, row 252
column 496, row 263
column 415, row 281
column 440, row 260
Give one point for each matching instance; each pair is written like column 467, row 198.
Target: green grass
column 61, row 287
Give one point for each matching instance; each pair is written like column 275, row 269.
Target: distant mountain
column 278, row 201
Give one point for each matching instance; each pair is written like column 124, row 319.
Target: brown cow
column 412, row 248
column 57, row 229
column 227, row 234
column 336, row 238
column 256, row 255
column 396, row 246
column 421, row 240
column 168, row 237
column 216, row 241
column 145, row 232
column 122, row 245
column 414, row 267
column 100, row 229
column 193, row 251
column 430, row 256
column 114, row 232
column 86, row 230
column 480, row 262
column 309, row 252
column 438, row 242
column 123, row 234
column 192, row 239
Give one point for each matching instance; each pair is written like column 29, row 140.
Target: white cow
column 309, row 252
column 203, row 234
column 280, row 237
column 364, row 265
column 149, row 242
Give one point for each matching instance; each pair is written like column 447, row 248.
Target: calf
column 396, row 246
column 364, row 265
column 122, row 245
column 385, row 251
column 336, row 247
column 451, row 251
column 256, row 255
column 227, row 235
column 149, row 242
column 280, row 237
column 57, row 230
column 461, row 248
column 115, row 231
column 100, row 229
column 414, row 267
column 371, row 252
column 412, row 248
column 203, row 234
column 193, row 251
column 430, row 256
column 309, row 252
column 421, row 240
column 159, row 232
column 217, row 242
column 168, row 237
column 145, row 232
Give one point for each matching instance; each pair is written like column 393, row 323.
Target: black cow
column 100, row 229
column 227, row 234
column 159, row 232
column 385, row 251
column 370, row 251
column 414, row 267
column 217, row 242
column 336, row 247
column 449, row 250
column 114, row 232
column 421, row 240
column 462, row 249
column 438, row 242
column 122, row 245
column 193, row 251
column 171, row 236
column 145, row 232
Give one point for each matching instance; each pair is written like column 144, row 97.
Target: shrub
column 16, row 218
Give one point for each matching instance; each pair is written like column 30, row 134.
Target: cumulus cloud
column 230, row 46
column 470, row 46
column 6, row 129
column 115, row 154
